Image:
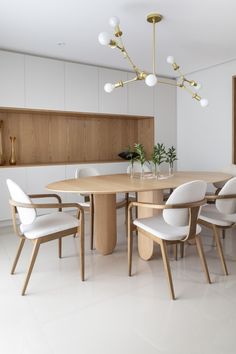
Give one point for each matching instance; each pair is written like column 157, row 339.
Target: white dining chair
column 221, row 215
column 230, row 169
column 88, row 204
column 176, row 223
column 43, row 228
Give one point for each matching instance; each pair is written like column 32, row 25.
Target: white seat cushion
column 157, row 226
column 48, row 224
column 210, row 214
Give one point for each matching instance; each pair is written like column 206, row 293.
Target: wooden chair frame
column 217, row 228
column 58, row 235
column 193, row 209
column 90, row 209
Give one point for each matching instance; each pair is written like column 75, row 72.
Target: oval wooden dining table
column 104, row 189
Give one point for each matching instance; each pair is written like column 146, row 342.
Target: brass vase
column 12, row 160
column 2, row 159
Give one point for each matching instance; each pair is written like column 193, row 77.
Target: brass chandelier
column 151, row 79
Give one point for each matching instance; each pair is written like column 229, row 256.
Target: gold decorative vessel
column 12, row 160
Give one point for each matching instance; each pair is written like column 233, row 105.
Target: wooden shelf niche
column 51, row 137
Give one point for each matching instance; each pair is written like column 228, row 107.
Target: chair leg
column 202, row 257
column 167, row 268
column 175, row 251
column 76, row 232
column 219, row 249
column 126, row 212
column 91, row 221
column 130, row 244
column 136, row 208
column 31, row 265
column 21, row 244
column 223, row 234
column 59, row 247
column 182, row 249
column 82, row 253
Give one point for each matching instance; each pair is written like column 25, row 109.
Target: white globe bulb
column 104, row 38
column 109, row 87
column 204, row 102
column 170, row 59
column 151, row 80
column 114, row 21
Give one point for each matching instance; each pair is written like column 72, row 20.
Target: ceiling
column 198, row 34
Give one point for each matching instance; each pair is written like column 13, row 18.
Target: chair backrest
column 231, row 169
column 227, row 206
column 186, row 193
column 26, row 215
column 86, row 172
column 137, row 168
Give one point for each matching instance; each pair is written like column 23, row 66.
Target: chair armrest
column 222, row 196
column 45, row 206
column 45, row 196
column 167, row 206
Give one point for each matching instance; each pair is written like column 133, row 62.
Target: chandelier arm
column 122, row 83
column 154, row 48
column 135, row 68
column 168, row 83
column 119, row 47
column 180, row 73
column 194, row 94
column 131, row 80
column 124, row 51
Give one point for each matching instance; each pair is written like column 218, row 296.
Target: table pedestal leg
column 105, row 222
column 145, row 245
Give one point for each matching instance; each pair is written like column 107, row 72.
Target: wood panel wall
column 48, row 137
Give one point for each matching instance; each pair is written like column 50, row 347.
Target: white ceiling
column 197, row 33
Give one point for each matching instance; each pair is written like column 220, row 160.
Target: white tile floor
column 111, row 313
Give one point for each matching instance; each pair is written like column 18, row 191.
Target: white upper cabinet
column 81, row 88
column 11, row 79
column 165, row 113
column 140, row 98
column 116, row 101
column 44, row 83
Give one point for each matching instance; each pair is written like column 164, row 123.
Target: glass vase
column 156, row 171
column 131, row 169
column 142, row 172
column 171, row 170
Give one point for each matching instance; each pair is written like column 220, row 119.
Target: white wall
column 204, row 135
column 165, row 113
